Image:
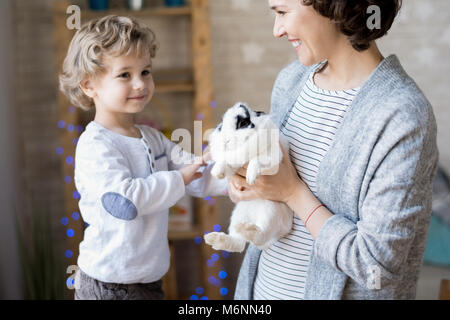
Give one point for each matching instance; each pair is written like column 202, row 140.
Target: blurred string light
column 70, row 282
column 215, row 281
column 69, row 159
column 199, row 240
column 68, row 253
column 70, row 233
column 64, row 221
column 61, row 124
column 211, row 200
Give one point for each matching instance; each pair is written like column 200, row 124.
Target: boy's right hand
column 189, row 172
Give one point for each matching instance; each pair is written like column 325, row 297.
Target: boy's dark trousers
column 92, row 289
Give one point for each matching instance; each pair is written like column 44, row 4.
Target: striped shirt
column 309, row 129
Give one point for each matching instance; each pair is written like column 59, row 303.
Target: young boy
column 128, row 175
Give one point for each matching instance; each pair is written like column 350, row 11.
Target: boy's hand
column 189, row 172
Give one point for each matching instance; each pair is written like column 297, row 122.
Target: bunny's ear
column 243, row 122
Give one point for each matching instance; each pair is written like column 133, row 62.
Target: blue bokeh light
column 223, row 291
column 76, row 195
column 225, row 254
column 69, row 160
column 70, row 233
column 75, row 216
column 214, row 281
column 194, row 297
column 67, row 179
column 68, row 254
column 70, row 127
column 204, row 298
column 199, row 290
column 222, row 274
column 198, row 240
column 61, row 124
column 70, row 282
column 64, row 221
column 59, row 150
column 217, row 227
column 215, row 257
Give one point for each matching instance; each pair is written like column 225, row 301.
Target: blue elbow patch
column 119, row 206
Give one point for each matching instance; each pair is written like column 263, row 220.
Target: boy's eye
column 145, row 72
column 125, row 75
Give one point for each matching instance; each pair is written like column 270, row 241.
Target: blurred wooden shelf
column 174, row 80
column 167, row 87
column 145, row 12
column 189, row 234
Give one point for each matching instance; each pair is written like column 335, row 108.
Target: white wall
column 10, row 268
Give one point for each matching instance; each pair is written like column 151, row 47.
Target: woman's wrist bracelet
column 309, row 216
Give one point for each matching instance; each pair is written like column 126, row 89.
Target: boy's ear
column 88, row 88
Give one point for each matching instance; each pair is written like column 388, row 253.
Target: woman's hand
column 278, row 187
column 285, row 186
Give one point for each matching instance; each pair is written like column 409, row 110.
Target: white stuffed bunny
column 246, row 136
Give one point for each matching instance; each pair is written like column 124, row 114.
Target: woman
column 362, row 159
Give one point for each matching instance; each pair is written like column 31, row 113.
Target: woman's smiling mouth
column 295, row 43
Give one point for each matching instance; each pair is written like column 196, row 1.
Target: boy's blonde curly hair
column 111, row 35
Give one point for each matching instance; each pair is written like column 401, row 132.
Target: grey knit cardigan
column 376, row 179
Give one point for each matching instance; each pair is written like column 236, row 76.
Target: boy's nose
column 138, row 84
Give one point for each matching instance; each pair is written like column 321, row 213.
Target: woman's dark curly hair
column 351, row 18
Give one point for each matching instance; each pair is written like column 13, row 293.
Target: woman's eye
column 124, row 75
column 281, row 13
